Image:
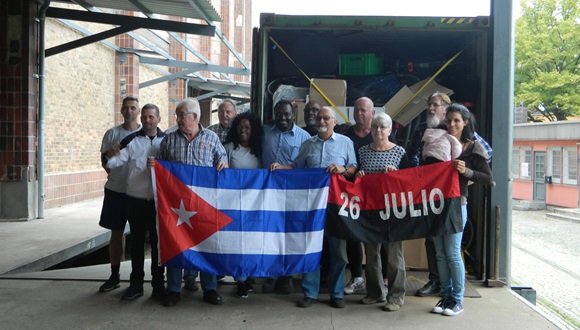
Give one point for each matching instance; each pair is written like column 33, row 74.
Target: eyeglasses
column 435, row 104
column 377, row 127
column 325, row 118
column 182, row 115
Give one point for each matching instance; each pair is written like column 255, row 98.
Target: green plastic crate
column 360, row 64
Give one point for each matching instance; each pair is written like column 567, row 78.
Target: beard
column 322, row 129
column 432, row 120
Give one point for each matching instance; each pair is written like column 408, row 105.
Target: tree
column 547, row 72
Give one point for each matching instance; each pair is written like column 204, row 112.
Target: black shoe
column 249, row 286
column 212, row 297
column 269, row 286
column 337, row 303
column 284, row 285
column 307, row 302
column 171, row 299
column 112, row 283
column 159, row 292
column 432, row 288
column 242, row 290
column 132, row 292
column 190, row 284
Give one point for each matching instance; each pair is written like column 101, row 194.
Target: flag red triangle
column 184, row 219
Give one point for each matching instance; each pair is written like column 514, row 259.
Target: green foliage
column 547, row 63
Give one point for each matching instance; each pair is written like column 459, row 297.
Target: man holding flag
column 335, row 153
column 194, row 145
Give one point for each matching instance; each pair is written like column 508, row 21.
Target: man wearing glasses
column 193, row 145
column 335, row 153
column 437, row 104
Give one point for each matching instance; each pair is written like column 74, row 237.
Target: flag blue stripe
column 248, row 179
column 247, row 264
column 277, row 222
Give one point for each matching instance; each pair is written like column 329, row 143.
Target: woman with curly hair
column 244, row 142
column 244, row 149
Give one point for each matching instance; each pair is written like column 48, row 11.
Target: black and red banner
column 387, row 207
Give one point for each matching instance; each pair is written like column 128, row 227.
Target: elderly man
column 113, row 214
column 134, row 151
column 226, row 113
column 281, row 144
column 360, row 134
column 437, row 103
column 310, row 111
column 194, row 145
column 335, row 153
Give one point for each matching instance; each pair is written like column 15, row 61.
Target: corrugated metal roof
column 197, row 9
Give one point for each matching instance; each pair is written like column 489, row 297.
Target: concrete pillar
column 18, row 109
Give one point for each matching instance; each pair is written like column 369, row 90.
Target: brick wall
column 83, row 93
column 156, row 94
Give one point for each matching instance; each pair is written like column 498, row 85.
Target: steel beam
column 138, row 22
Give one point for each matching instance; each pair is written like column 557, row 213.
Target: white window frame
column 516, row 162
column 551, row 166
column 523, row 165
column 566, row 168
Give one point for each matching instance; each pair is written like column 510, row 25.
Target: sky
column 372, row 7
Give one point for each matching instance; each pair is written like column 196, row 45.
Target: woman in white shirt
column 244, row 148
column 244, row 142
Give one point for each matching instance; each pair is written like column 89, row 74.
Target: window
column 516, row 163
column 570, row 165
column 555, row 164
column 526, row 163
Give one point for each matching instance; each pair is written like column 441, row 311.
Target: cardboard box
column 299, row 106
column 417, row 103
column 334, row 89
column 415, row 255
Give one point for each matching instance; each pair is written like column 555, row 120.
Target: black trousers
column 431, row 259
column 141, row 214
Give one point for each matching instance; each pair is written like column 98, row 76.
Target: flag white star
column 183, row 215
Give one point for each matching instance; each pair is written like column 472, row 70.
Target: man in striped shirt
column 193, row 145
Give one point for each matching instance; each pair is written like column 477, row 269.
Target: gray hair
column 382, row 119
column 192, row 106
column 329, row 109
column 230, row 101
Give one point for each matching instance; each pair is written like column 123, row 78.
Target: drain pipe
column 40, row 160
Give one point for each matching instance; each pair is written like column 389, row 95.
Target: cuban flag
column 240, row 222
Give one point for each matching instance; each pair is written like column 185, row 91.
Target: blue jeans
column 311, row 281
column 449, row 263
column 174, row 276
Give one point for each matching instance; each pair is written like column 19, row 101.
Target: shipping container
column 387, row 53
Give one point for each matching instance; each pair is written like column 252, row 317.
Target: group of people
column 240, row 141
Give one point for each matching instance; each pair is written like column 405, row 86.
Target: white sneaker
column 355, row 284
column 440, row 307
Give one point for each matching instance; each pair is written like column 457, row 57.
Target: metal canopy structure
column 155, row 56
column 198, row 9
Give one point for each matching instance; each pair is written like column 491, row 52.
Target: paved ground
column 70, row 299
column 546, row 257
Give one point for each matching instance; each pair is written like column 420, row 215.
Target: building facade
column 545, row 163
column 84, row 88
